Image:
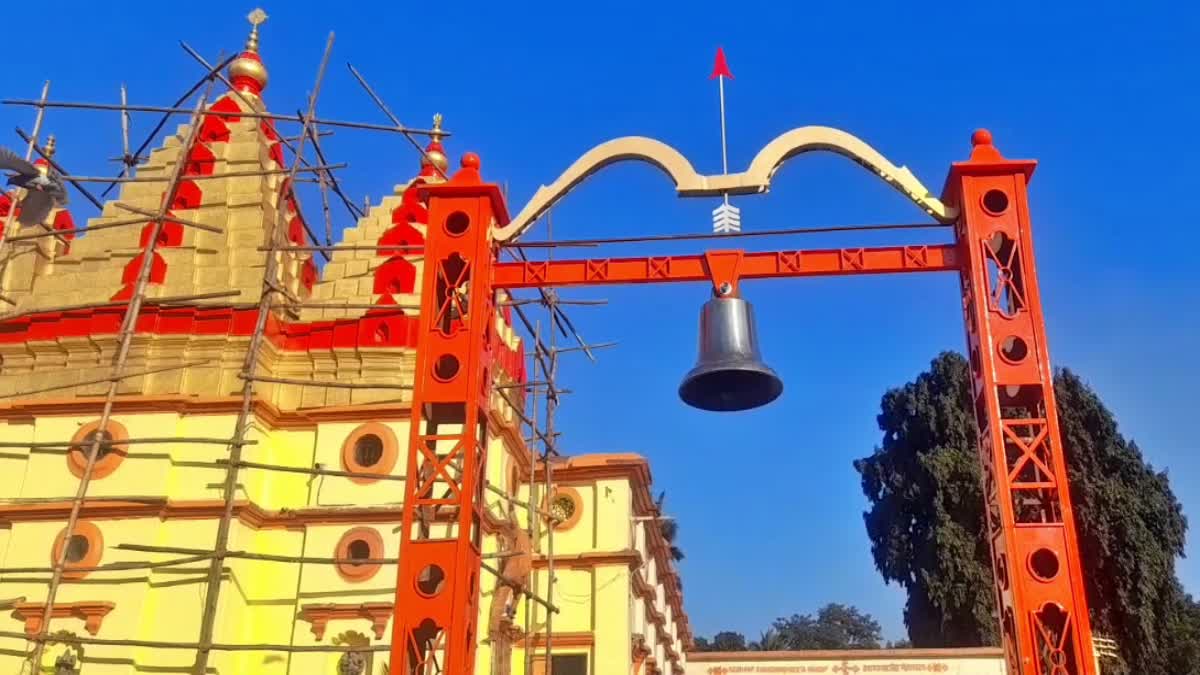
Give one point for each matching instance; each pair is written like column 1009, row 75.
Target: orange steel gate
column 1035, row 555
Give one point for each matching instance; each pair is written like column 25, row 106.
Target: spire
column 50, row 147
column 434, row 163
column 247, row 71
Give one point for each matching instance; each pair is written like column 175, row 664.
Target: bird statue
column 44, row 189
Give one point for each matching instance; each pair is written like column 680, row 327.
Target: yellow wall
column 261, row 600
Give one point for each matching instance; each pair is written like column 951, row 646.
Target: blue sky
column 1103, row 95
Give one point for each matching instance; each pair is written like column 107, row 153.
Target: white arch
column 757, row 178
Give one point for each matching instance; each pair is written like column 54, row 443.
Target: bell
column 729, row 374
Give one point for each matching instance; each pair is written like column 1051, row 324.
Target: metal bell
column 729, row 374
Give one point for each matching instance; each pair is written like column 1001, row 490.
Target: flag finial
column 720, row 67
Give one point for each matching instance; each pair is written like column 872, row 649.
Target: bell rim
column 766, row 371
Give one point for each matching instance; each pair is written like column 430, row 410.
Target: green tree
column 725, row 641
column 835, row 626
column 729, row 641
column 669, row 528
column 770, row 640
column 926, row 521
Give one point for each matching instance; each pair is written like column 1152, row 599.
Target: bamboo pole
column 125, row 342
column 286, row 143
column 41, row 638
column 165, row 300
column 202, row 177
column 83, row 105
column 313, row 383
column 211, row 71
column 208, row 619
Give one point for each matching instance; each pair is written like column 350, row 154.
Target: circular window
column 1044, row 564
column 83, row 549
column 995, row 202
column 371, row 448
column 564, row 508
column 108, row 457
column 354, row 549
column 431, row 580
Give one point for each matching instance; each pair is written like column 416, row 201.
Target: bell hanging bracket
column 724, row 268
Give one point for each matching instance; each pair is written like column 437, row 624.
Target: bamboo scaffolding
column 315, row 383
column 41, row 637
column 314, row 471
column 395, row 120
column 44, row 154
column 298, row 156
column 532, row 524
column 127, row 158
column 340, row 247
column 213, row 587
column 117, row 376
column 202, row 177
column 286, row 142
column 125, row 342
column 105, row 226
column 197, row 440
column 268, row 557
column 211, row 71
column 114, row 567
column 321, row 182
column 551, row 408
column 166, row 300
column 83, row 105
column 174, row 219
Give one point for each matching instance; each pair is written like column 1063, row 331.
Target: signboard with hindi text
column 969, row 661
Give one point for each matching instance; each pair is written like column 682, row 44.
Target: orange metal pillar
column 1039, row 574
column 437, row 587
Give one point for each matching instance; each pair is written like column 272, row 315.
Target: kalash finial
column 43, row 162
column 434, row 162
column 256, row 18
column 247, row 71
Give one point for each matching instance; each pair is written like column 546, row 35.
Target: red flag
column 720, row 68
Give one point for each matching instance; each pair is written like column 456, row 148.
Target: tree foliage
column 669, row 528
column 834, row 626
column 926, row 521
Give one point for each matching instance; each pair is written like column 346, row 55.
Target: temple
column 305, row 548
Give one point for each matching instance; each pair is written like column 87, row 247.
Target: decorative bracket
column 755, row 179
column 319, row 616
column 92, row 614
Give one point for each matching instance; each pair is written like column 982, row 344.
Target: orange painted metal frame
column 1038, row 571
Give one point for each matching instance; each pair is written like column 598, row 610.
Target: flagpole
column 726, row 217
column 724, row 151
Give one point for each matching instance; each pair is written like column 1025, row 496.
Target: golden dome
column 247, row 71
column 435, row 154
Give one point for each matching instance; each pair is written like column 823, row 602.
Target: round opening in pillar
column 431, row 580
column 446, row 367
column 995, row 202
column 458, row 223
column 1014, row 349
column 1044, row 564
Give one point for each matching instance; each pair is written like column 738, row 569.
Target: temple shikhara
column 235, row 440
